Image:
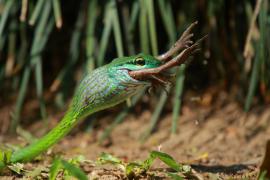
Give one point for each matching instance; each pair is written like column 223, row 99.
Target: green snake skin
column 105, row 87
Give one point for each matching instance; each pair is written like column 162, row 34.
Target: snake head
column 137, row 62
column 120, row 68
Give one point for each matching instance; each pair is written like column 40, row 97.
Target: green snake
column 108, row 86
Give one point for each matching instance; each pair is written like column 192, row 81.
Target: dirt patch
column 219, row 142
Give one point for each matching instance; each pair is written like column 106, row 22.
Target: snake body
column 104, row 87
column 108, row 86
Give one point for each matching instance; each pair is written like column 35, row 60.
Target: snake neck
column 39, row 146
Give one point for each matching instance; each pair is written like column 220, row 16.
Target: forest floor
column 215, row 137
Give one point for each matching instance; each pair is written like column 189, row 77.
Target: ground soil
column 217, row 139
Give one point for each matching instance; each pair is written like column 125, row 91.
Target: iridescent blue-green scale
column 97, row 91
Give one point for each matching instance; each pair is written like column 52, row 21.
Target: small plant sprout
column 133, row 169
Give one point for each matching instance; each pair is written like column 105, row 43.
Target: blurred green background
column 47, row 46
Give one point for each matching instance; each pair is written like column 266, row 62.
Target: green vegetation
column 133, row 169
column 48, row 41
column 70, row 168
column 59, row 166
column 65, row 169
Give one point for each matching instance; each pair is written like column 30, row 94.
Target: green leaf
column 74, row 171
column 137, row 167
column 108, row 158
column 2, row 165
column 77, row 160
column 133, row 167
column 17, row 168
column 174, row 176
column 262, row 176
column 2, row 156
column 5, row 155
column 55, row 168
column 167, row 159
column 148, row 162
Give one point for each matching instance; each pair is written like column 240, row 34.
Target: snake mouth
column 134, row 81
column 153, row 82
column 161, row 80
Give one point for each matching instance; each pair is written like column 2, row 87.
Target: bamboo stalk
column 4, row 16
column 259, row 61
column 156, row 115
column 24, row 10
column 117, row 31
column 144, row 38
column 131, row 27
column 40, row 39
column 152, row 26
column 90, row 35
column 178, row 97
column 105, row 34
column 57, row 13
column 254, row 79
column 36, row 12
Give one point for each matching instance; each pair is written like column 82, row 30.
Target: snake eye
column 139, row 61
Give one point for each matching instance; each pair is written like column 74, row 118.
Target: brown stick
column 248, row 51
column 183, row 42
